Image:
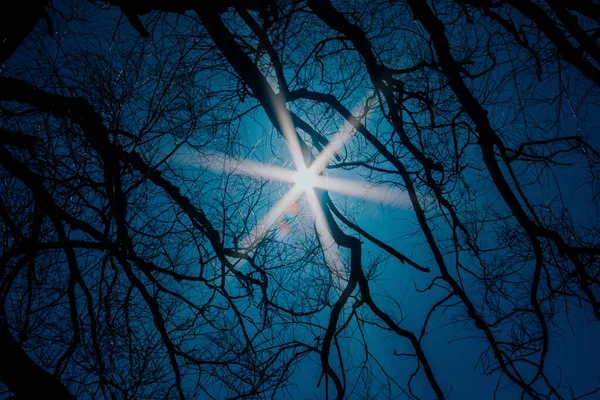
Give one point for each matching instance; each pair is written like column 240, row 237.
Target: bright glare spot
column 305, row 178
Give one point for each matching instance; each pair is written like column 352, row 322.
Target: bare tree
column 149, row 251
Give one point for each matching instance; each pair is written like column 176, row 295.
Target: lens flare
column 305, row 180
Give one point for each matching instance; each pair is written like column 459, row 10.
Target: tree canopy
column 300, row 199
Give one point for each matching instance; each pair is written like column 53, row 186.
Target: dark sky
column 209, row 115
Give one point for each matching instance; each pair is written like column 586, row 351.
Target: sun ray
column 289, row 132
column 385, row 195
column 330, row 250
column 305, row 179
column 220, row 162
column 261, row 229
column 339, row 140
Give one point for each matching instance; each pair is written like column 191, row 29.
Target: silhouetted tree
column 126, row 270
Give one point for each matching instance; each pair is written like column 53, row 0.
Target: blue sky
column 202, row 100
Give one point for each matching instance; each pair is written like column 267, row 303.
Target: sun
column 305, row 178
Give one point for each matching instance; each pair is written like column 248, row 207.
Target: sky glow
column 305, row 179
